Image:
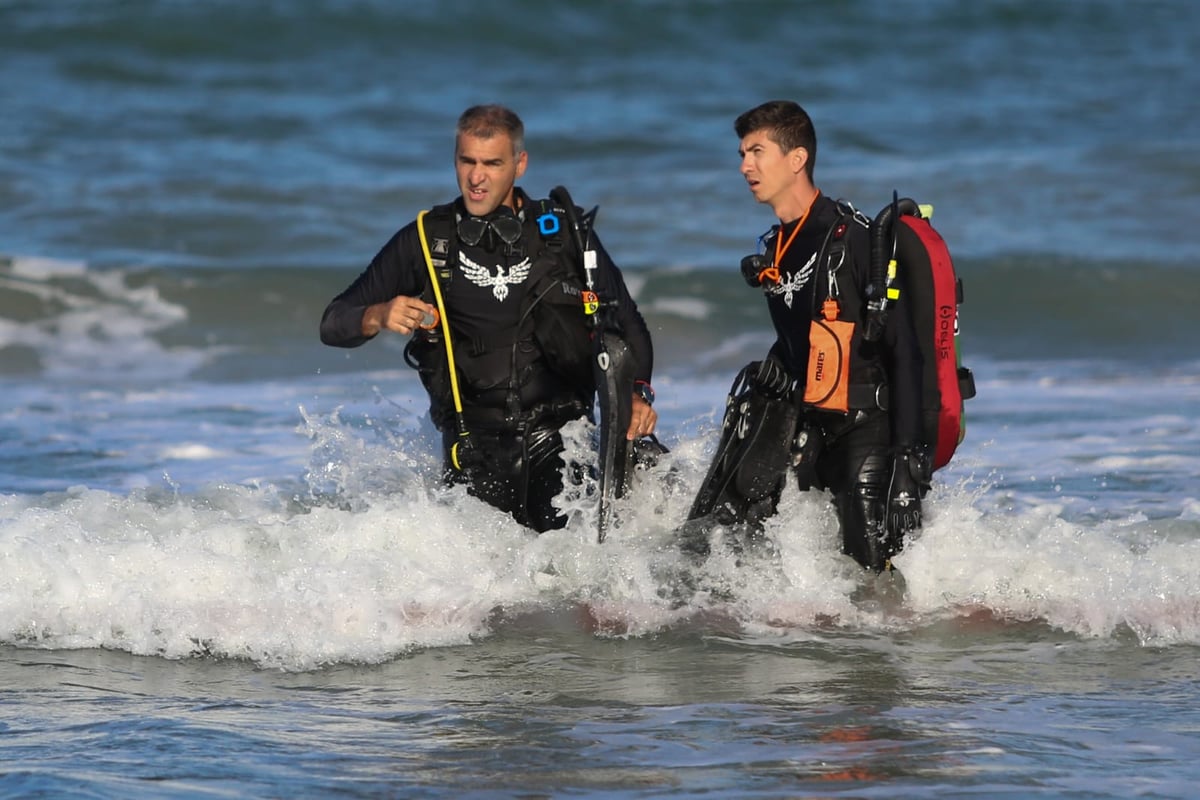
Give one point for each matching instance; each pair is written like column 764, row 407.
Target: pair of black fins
column 754, row 450
column 614, row 372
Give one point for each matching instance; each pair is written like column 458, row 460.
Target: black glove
column 904, row 496
column 772, row 378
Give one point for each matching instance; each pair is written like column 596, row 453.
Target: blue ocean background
column 227, row 567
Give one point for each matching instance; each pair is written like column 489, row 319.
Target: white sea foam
column 302, row 522
column 689, row 308
column 190, row 452
column 38, row 267
column 93, row 324
column 373, row 558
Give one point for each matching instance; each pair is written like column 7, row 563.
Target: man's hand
column 904, row 496
column 401, row 314
column 643, row 420
column 772, row 378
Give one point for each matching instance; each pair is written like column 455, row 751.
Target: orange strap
column 771, row 273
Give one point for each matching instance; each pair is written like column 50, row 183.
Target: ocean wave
column 250, row 573
column 63, row 319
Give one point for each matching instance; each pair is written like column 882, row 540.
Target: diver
column 506, row 299
column 836, row 402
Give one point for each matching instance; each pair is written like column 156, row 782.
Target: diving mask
column 502, row 225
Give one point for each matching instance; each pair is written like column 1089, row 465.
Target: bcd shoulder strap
column 834, row 249
column 439, row 225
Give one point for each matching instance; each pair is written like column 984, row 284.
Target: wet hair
column 786, row 124
column 486, row 121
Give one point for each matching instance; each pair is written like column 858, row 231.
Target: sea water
column 227, row 567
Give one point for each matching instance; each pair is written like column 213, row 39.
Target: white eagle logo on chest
column 482, row 276
column 788, row 286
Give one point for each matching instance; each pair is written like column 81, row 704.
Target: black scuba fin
column 614, row 369
column 612, row 366
column 756, row 440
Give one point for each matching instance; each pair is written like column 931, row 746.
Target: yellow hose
column 445, row 322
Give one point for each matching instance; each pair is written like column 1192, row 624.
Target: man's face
column 487, row 171
column 767, row 169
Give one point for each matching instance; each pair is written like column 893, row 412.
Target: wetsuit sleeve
column 633, row 326
column 904, row 365
column 398, row 269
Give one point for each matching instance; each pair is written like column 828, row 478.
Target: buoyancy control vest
column 543, row 367
column 844, row 373
column 838, row 379
column 906, row 255
column 909, row 256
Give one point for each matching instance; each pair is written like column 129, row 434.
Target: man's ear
column 799, row 157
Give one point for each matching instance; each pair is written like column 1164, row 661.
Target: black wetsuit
column 853, row 451
column 515, row 396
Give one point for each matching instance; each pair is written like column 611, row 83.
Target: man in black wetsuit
column 863, row 444
column 510, row 277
